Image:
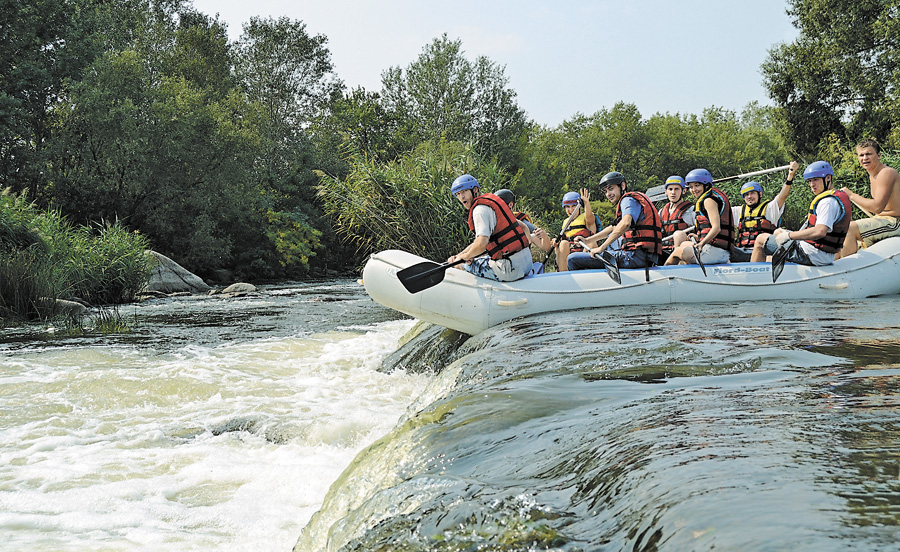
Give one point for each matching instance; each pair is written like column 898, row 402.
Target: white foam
column 126, row 449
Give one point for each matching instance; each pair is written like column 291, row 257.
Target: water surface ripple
column 759, row 426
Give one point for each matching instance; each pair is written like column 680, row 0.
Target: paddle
column 424, row 275
column 779, row 258
column 612, row 266
column 752, row 174
column 697, row 254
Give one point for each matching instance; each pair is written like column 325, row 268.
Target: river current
column 308, row 417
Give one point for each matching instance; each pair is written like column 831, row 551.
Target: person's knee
column 574, row 262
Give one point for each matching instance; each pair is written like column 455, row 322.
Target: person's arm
column 476, row 248
column 814, row 233
column 881, row 187
column 538, row 238
column 589, row 221
column 614, row 234
column 592, row 241
column 786, row 188
column 715, row 221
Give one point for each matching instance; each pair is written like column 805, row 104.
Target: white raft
column 470, row 304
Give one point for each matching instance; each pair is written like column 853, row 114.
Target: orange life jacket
column 522, row 216
column 833, row 241
column 753, row 223
column 508, row 236
column 672, row 218
column 645, row 233
column 725, row 238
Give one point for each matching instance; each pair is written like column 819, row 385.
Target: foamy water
column 226, row 446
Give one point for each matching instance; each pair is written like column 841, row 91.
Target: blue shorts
column 638, row 258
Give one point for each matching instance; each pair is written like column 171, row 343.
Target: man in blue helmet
column 826, row 227
column 884, row 205
column 497, row 233
column 757, row 217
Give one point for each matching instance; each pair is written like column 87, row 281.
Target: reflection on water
column 738, row 427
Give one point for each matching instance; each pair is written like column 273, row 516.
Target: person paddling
column 884, row 186
column 637, row 222
column 713, row 223
column 827, row 223
column 497, row 233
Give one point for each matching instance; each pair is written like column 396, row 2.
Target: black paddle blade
column 424, row 275
column 612, row 267
column 779, row 258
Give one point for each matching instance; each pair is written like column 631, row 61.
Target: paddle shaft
column 863, row 209
column 562, row 232
column 752, row 174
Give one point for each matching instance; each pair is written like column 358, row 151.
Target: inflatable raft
column 469, row 304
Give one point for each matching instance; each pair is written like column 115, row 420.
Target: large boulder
column 170, row 277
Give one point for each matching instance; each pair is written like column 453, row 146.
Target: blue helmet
column 675, row 180
column 751, row 187
column 699, row 175
column 464, row 182
column 571, row 198
column 819, row 169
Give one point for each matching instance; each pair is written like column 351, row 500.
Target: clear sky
column 561, row 57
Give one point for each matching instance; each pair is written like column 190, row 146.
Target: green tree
column 289, row 75
column 444, row 95
column 841, row 75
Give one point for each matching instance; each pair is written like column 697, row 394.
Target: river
column 305, row 417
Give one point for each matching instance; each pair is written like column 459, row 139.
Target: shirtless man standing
column 884, row 185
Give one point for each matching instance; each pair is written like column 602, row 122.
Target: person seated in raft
column 583, row 225
column 884, row 186
column 712, row 222
column 826, row 226
column 497, row 233
column 677, row 216
column 637, row 224
column 536, row 236
column 757, row 217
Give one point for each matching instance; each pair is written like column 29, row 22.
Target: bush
column 43, row 258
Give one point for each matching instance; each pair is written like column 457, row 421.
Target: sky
column 562, row 57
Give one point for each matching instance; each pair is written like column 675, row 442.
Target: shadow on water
column 738, row 427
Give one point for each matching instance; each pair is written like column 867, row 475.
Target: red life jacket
column 753, row 223
column 833, row 241
column 725, row 237
column 645, row 233
column 522, row 216
column 672, row 218
column 508, row 236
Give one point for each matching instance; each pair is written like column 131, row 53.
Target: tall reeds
column 406, row 204
column 44, row 258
